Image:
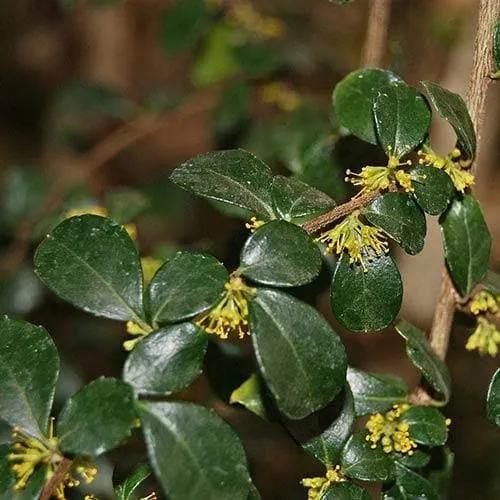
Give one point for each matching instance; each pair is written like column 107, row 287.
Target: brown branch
column 376, row 34
column 58, row 477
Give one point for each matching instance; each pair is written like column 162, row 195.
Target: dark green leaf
column 186, row 285
column 360, row 461
column 258, row 60
column 248, row 394
column 125, row 490
column 97, row 418
column 453, row 109
column 410, row 485
column 427, row 425
column 366, row 301
column 280, row 254
column 123, row 204
column 493, row 400
column 33, row 488
column 29, row 368
column 402, row 118
column 441, row 479
column 467, row 242
column 182, row 25
column 7, row 478
column 424, row 358
column 234, row 176
column 401, row 218
column 346, row 491
column 254, row 493
column 327, row 446
column 492, row 281
column 91, row 262
column 296, row 201
column 353, row 100
column 375, row 392
column 300, row 356
column 416, row 460
column 496, row 45
column 166, row 361
column 209, row 463
column 433, row 189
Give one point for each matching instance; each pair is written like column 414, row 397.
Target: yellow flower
column 138, row 331
column 359, row 240
column 483, row 302
column 318, row 486
column 393, row 434
column 254, row 224
column 242, row 14
column 230, row 315
column 149, row 267
column 485, row 338
column 281, row 95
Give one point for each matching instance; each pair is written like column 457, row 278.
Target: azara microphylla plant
column 379, row 433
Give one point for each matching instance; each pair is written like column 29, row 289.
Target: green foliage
column 433, row 189
column 496, row 45
column 493, row 400
column 346, row 490
column 409, row 484
column 427, row 425
column 248, row 394
column 125, row 490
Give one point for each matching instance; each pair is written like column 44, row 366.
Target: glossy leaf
column 248, row 394
column 186, row 285
column 416, row 460
column 97, row 418
column 401, row 218
column 346, row 491
column 126, row 489
column 423, row 357
column 360, row 461
column 427, row 425
column 234, row 176
column 123, row 204
column 166, row 361
column 453, row 109
column 375, row 392
column 29, row 368
column 402, row 118
column 209, row 463
column 433, row 189
column 366, row 301
column 280, row 254
column 300, row 356
column 410, row 485
column 467, row 242
column 353, row 100
column 91, row 262
column 493, row 400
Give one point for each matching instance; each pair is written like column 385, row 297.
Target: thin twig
column 58, row 477
column 376, row 34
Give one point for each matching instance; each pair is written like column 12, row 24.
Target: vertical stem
column 376, row 34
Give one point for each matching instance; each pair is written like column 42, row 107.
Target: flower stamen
column 485, row 338
column 318, row 486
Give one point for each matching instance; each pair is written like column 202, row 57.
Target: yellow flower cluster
column 318, row 486
column 230, row 315
column 485, row 338
column 282, row 96
column 243, row 14
column 359, row 240
column 393, row 434
column 253, row 224
column 484, row 302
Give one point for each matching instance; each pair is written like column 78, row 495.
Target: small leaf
column 124, row 204
column 258, row 60
column 493, row 400
column 401, row 218
column 186, row 285
column 375, row 392
column 248, row 394
column 416, row 460
column 91, row 262
column 166, row 361
column 280, row 254
column 366, row 301
column 97, row 418
column 453, row 109
column 496, row 45
column 492, row 281
column 427, row 425
column 300, row 356
column 360, row 461
column 234, row 176
column 467, row 242
column 346, row 491
column 433, row 189
column 410, row 485
column 296, row 201
column 126, row 489
column 29, row 368
column 353, row 100
column 402, row 118
column 209, row 463
column 423, row 357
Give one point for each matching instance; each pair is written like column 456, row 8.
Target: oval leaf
column 427, row 425
column 300, row 356
column 234, row 176
column 493, row 400
column 126, row 489
column 346, row 491
column 366, row 301
column 467, row 243
column 248, row 394
column 185, row 286
column 280, row 254
column 91, row 262
column 97, row 418
column 29, row 368
column 166, row 361
column 209, row 463
column 401, row 218
column 433, row 189
column 410, row 485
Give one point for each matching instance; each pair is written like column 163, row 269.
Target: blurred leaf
column 254, row 493
column 341, row 2
column 186, row 285
column 166, row 361
column 366, row 301
column 248, row 394
column 425, row 359
column 209, row 463
column 353, row 100
column 410, row 485
column 97, row 418
column 467, row 242
column 20, row 292
column 258, row 60
column 126, row 489
column 401, row 218
column 433, row 189
column 496, row 45
column 346, row 490
column 427, row 425
column 375, row 392
column 124, row 204
column 7, row 478
column 441, row 479
column 453, row 109
column 493, row 400
column 492, row 281
column 299, row 354
column 280, row 254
